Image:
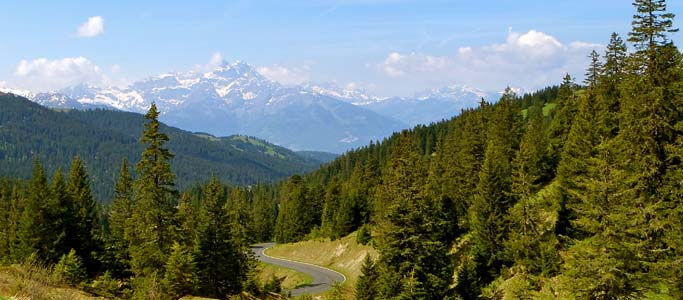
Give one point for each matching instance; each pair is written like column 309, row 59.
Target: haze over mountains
column 236, row 99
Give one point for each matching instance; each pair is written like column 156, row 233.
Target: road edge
column 301, row 262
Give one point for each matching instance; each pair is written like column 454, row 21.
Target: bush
column 70, row 268
column 274, row 285
column 106, row 285
column 363, row 236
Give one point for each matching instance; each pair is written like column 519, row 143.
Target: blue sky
column 390, row 47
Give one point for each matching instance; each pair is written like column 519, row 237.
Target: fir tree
column 493, row 196
column 180, row 269
column 85, row 222
column 34, row 233
column 155, row 199
column 366, row 287
column 220, row 267
column 121, row 230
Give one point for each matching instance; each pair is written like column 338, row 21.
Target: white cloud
column 287, row 75
column 42, row 74
column 93, row 27
column 530, row 60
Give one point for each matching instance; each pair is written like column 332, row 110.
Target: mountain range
column 236, row 99
column 103, row 138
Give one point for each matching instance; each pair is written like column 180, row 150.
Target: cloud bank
column 529, row 60
column 43, row 74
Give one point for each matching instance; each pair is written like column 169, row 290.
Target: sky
column 388, row 47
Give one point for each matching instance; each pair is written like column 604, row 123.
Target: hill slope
column 104, row 137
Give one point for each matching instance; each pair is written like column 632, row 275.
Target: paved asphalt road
column 323, row 278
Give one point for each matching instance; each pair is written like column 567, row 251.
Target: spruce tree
column 493, row 196
column 412, row 230
column 220, row 265
column 179, row 277
column 34, row 233
column 85, row 222
column 155, row 200
column 62, row 216
column 366, row 287
column 121, row 230
column 296, row 217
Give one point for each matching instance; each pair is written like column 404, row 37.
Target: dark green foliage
column 155, row 200
column 366, row 287
column 83, row 222
column 34, row 233
column 296, row 216
column 120, row 227
column 220, row 265
column 103, row 138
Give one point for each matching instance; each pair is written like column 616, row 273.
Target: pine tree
column 567, row 105
column 187, row 220
column 220, row 266
column 493, row 196
column 62, row 216
column 651, row 25
column 121, row 230
column 594, row 71
column 180, row 269
column 155, row 199
column 85, row 222
column 366, row 287
column 34, row 232
column 412, row 230
column 241, row 225
column 296, row 217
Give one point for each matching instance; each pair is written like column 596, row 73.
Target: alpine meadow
column 546, row 191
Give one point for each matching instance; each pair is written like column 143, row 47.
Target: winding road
column 323, row 278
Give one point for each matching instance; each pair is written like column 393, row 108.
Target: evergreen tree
column 84, row 222
column 62, row 216
column 594, row 71
column 493, row 195
column 121, row 230
column 34, row 232
column 366, row 287
column 412, row 230
column 155, row 199
column 651, row 25
column 567, row 105
column 296, row 217
column 187, row 220
column 220, row 268
column 180, row 269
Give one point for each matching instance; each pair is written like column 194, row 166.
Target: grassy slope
column 36, row 283
column 343, row 255
column 293, row 279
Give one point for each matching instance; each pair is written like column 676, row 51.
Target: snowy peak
column 19, row 92
column 452, row 92
column 349, row 94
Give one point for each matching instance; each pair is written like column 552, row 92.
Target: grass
column 344, row 255
column 293, row 279
column 34, row 281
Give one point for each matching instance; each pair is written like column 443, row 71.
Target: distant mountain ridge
column 104, row 137
column 236, row 99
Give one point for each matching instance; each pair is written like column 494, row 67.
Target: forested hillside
column 569, row 193
column 102, row 138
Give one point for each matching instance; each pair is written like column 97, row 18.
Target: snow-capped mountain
column 235, row 98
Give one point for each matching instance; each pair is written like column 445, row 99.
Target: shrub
column 70, row 268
